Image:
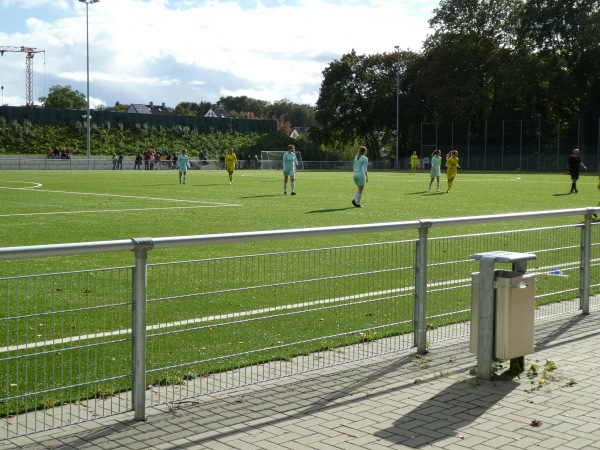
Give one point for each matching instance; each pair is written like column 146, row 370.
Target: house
column 137, row 108
column 298, row 132
column 219, row 112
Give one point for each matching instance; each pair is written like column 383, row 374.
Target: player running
column 231, row 163
column 183, row 161
column 452, row 167
column 289, row 169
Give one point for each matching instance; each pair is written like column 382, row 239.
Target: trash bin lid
column 504, row 257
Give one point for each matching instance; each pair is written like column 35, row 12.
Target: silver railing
column 91, row 343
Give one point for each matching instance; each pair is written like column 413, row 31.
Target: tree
column 467, row 57
column 64, row 97
column 244, row 104
column 297, row 115
column 357, row 100
column 565, row 36
column 186, row 109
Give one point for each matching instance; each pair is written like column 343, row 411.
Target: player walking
column 289, row 169
column 183, row 162
column 436, row 164
column 360, row 174
column 231, row 163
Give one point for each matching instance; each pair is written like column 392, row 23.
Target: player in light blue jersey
column 289, row 168
column 361, row 176
column 183, row 160
column 436, row 164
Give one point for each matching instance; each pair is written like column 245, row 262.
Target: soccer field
column 48, row 207
column 216, row 307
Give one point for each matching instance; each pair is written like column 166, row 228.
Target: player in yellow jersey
column 414, row 163
column 231, row 163
column 451, row 167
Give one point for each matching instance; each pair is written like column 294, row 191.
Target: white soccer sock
column 358, row 197
column 293, row 185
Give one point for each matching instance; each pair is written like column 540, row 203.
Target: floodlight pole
column 397, row 47
column 87, row 40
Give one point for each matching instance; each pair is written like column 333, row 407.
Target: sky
column 172, row 51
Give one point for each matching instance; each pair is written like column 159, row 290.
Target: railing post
column 485, row 336
column 584, row 270
column 138, row 326
column 420, row 309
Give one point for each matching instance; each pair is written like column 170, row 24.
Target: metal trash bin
column 514, row 313
column 503, row 311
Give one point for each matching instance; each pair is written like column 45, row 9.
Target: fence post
column 420, row 311
column 584, row 269
column 138, row 326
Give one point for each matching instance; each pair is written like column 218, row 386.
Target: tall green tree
column 64, row 97
column 565, row 35
column 357, row 100
column 244, row 104
column 297, row 115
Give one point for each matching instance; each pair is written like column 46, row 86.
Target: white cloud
column 173, row 51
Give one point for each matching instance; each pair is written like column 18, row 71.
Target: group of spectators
column 57, row 153
column 156, row 160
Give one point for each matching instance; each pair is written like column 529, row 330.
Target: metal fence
column 528, row 145
column 106, row 163
column 88, row 344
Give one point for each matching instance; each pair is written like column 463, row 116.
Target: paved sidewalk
column 393, row 401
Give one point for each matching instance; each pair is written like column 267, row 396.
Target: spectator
column 120, row 162
column 49, row 152
column 138, row 162
column 56, row 153
column 147, row 157
column 114, row 161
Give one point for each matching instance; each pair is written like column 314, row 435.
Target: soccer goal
column 273, row 159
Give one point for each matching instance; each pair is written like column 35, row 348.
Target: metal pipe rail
column 142, row 246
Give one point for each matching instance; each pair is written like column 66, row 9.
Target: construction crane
column 28, row 68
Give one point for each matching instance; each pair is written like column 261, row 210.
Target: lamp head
column 397, row 47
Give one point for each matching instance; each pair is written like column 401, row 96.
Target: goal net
column 273, row 159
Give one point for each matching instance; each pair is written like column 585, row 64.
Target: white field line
column 199, row 203
column 115, row 210
column 137, row 197
column 162, row 326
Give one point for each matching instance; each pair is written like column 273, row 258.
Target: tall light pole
column 397, row 47
column 87, row 40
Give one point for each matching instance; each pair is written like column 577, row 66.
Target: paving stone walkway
column 397, row 401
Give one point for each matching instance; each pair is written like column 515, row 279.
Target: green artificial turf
column 50, row 207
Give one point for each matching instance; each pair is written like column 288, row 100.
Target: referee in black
column 573, row 165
